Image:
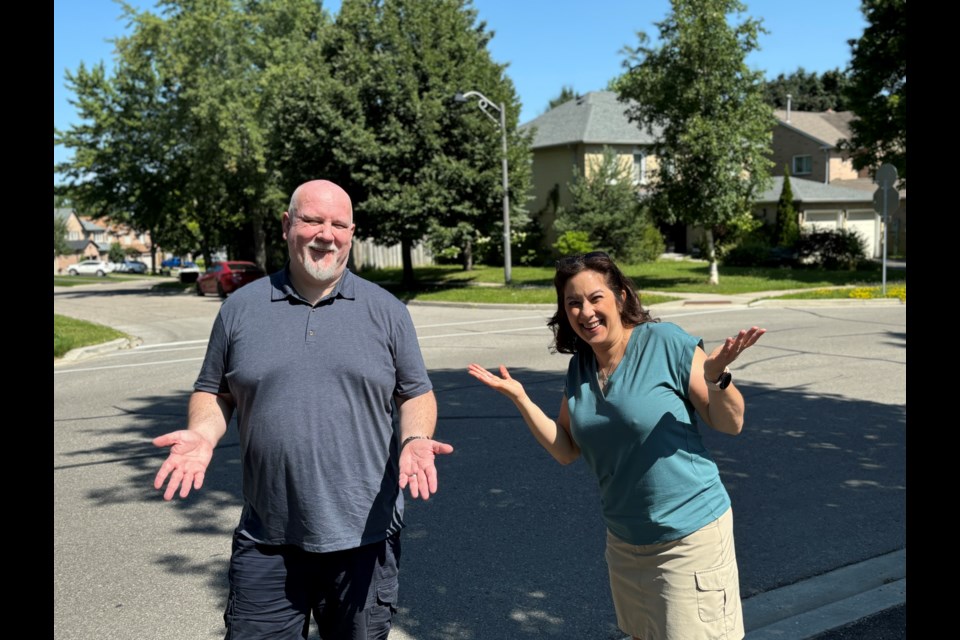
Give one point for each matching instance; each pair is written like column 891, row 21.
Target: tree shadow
column 512, row 545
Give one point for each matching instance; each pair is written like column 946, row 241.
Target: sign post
column 886, row 200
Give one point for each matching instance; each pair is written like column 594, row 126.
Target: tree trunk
column 712, row 257
column 406, row 249
column 153, row 251
column 468, row 255
column 259, row 240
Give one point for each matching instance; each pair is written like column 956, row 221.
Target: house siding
column 552, row 167
column 787, row 144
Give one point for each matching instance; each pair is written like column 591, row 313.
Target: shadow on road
column 512, row 546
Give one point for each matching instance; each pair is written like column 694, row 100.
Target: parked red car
column 225, row 277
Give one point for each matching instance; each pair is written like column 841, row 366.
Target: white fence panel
column 367, row 254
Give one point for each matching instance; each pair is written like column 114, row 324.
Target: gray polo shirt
column 314, row 389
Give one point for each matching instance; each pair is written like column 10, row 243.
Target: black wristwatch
column 723, row 381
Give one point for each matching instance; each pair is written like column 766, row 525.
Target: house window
column 802, row 165
column 639, row 167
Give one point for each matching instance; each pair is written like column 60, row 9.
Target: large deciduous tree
column 176, row 140
column 415, row 161
column 878, row 88
column 125, row 152
column 716, row 128
column 217, row 109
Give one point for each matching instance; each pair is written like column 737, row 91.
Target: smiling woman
column 633, row 391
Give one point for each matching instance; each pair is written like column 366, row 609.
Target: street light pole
column 501, row 109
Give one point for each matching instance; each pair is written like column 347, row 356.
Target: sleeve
column 680, row 346
column 411, row 373
column 212, row 378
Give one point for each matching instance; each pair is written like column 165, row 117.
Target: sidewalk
column 851, row 594
column 762, row 298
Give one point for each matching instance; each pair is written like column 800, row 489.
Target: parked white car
column 91, row 267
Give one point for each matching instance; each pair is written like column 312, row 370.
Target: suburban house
column 573, row 135
column 808, row 143
column 828, row 191
column 91, row 239
column 827, row 207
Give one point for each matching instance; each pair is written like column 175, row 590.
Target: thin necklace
column 604, row 376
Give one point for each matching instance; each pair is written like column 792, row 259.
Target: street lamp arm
column 483, row 102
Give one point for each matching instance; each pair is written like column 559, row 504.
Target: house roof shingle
column 89, row 225
column 826, row 127
column 595, row 118
column 811, row 191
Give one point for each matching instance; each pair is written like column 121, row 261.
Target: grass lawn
column 60, row 280
column 69, row 333
column 535, row 284
column 897, row 290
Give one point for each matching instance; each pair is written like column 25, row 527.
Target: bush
column 604, row 205
column 651, row 245
column 837, row 249
column 572, row 243
column 757, row 251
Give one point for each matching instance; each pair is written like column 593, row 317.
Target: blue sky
column 548, row 44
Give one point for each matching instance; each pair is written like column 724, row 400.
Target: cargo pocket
column 386, row 576
column 713, row 586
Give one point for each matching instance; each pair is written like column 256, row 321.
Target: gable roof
column 89, row 225
column 825, row 127
column 811, row 191
column 595, row 118
column 61, row 213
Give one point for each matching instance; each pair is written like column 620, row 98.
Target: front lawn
column 70, row 333
column 668, row 276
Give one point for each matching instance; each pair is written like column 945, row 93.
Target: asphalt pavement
column 863, row 600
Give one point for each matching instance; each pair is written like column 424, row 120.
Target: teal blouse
column 657, row 479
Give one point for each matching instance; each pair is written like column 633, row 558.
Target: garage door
column 867, row 223
column 822, row 220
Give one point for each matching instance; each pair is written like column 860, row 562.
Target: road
column 512, row 546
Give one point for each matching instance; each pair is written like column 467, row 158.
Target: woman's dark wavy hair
column 632, row 313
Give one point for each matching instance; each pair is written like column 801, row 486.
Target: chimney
column 788, row 106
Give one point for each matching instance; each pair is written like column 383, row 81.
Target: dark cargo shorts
column 352, row 594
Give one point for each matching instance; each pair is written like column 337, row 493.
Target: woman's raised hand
column 505, row 384
column 730, row 350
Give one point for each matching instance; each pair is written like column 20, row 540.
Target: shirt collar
column 282, row 287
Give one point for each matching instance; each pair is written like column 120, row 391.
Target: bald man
column 314, row 360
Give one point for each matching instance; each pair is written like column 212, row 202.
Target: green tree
column 878, row 89
column 566, row 95
column 127, row 151
column 716, row 128
column 60, row 246
column 116, row 254
column 788, row 229
column 605, row 205
column 414, row 160
column 178, row 140
column 808, row 91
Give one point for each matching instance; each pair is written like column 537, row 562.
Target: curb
column 829, row 601
column 82, row 353
column 481, row 305
column 828, row 302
